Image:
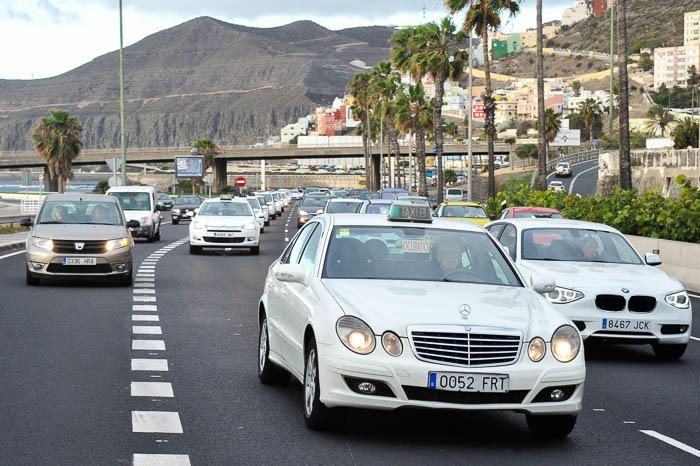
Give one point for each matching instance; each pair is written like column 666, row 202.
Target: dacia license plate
column 220, row 234
column 626, row 325
column 461, row 382
column 79, row 261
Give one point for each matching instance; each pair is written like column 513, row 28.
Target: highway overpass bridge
column 29, row 159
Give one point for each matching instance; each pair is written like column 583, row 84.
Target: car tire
column 128, row 280
column 551, row 426
column 195, row 249
column 316, row 415
column 157, row 235
column 255, row 250
column 669, row 352
column 268, row 372
column 175, row 222
column 262, row 230
column 31, row 279
column 151, row 237
column 267, row 223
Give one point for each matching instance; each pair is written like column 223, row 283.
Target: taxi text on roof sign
column 402, row 211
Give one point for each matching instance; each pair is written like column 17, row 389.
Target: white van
column 454, row 195
column 140, row 203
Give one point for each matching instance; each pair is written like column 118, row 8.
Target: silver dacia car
column 80, row 236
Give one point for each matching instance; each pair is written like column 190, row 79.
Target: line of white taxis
column 407, row 310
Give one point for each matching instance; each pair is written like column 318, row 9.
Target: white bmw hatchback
column 604, row 285
column 381, row 312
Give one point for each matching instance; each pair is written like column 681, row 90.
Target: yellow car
column 463, row 211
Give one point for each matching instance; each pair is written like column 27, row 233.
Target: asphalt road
column 584, row 178
column 67, row 395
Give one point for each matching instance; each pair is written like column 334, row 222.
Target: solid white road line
column 571, row 186
column 146, row 330
column 145, row 299
column 695, row 338
column 156, row 421
column 694, row 296
column 156, row 365
column 672, row 442
column 142, row 459
column 154, row 389
column 148, row 345
column 143, row 291
column 145, row 318
column 12, row 254
column 144, row 307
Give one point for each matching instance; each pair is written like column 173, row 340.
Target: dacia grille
column 466, row 346
column 62, row 246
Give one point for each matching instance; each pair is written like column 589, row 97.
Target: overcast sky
column 43, row 38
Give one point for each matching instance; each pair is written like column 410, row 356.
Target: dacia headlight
column 563, row 295
column 566, row 343
column 355, row 335
column 679, row 300
column 250, row 226
column 44, row 243
column 116, row 244
column 303, row 213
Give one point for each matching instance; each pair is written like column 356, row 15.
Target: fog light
column 121, row 267
column 366, row 387
column 250, row 238
column 557, row 394
column 37, row 266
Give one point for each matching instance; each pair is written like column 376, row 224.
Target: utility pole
column 381, row 152
column 611, row 110
column 122, row 118
column 469, row 122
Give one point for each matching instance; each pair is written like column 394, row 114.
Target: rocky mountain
column 650, row 23
column 201, row 79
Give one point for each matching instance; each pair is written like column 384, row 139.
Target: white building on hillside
column 671, row 65
column 292, row 130
column 691, row 28
column 580, row 11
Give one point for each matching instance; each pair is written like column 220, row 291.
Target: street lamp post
column 122, row 118
column 469, row 122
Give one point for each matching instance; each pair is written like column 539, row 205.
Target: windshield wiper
column 548, row 259
column 51, row 222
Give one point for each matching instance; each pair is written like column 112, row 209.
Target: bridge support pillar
column 49, row 184
column 219, row 174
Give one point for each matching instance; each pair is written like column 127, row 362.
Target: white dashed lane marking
column 145, row 318
column 144, row 285
column 145, row 279
column 145, row 299
column 154, row 389
column 148, row 345
column 145, row 307
column 156, row 365
column 141, row 459
column 156, row 422
column 143, row 291
column 146, row 330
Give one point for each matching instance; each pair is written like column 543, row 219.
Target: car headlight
column 44, row 243
column 355, row 335
column 679, row 300
column 198, row 226
column 303, row 213
column 392, row 343
column 250, row 226
column 145, row 220
column 537, row 349
column 116, row 244
column 566, row 343
column 176, row 211
column 196, row 210
column 563, row 295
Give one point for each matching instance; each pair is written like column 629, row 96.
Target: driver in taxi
column 448, row 255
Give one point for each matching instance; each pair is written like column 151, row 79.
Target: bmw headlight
column 566, row 343
column 355, row 335
column 537, row 349
column 303, row 213
column 116, row 244
column 563, row 295
column 176, row 211
column 44, row 243
column 679, row 300
column 392, row 343
column 250, row 226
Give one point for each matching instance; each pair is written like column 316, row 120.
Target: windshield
column 164, row 197
column 578, row 245
column 317, row 201
column 80, row 212
column 225, row 209
column 536, row 215
column 185, row 200
column 133, row 201
column 343, row 207
column 454, row 192
column 253, row 203
column 268, row 198
column 378, row 208
column 463, row 211
column 411, row 253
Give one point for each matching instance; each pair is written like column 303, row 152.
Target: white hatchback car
column 604, row 285
column 225, row 224
column 383, row 312
column 556, row 186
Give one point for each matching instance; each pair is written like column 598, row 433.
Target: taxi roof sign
column 225, row 197
column 406, row 211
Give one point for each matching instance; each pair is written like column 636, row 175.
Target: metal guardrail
column 574, row 158
column 14, row 219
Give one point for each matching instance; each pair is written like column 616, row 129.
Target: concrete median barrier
column 680, row 260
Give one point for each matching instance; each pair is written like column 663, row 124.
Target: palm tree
column 384, row 85
column 481, row 16
column 623, row 93
column 660, row 119
column 685, row 133
column 208, row 149
column 552, row 125
column 591, row 115
column 452, row 129
column 412, row 113
column 57, row 139
column 439, row 53
column 358, row 89
column 541, row 180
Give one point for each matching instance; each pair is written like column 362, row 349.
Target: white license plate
column 459, row 382
column 627, row 325
column 79, row 261
column 224, row 235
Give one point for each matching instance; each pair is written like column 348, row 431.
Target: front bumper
column 144, row 231
column 45, row 264
column 407, row 379
column 182, row 215
column 244, row 239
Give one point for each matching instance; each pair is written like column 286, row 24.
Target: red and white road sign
column 240, row 182
column 478, row 111
column 41, row 177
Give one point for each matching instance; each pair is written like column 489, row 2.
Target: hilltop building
column 580, row 11
column 671, row 65
column 691, row 28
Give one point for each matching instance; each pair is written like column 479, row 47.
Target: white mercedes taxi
column 404, row 310
column 604, row 285
column 225, row 224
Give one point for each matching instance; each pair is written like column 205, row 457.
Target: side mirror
column 26, row 222
column 133, row 224
column 542, row 284
column 504, row 204
column 652, row 259
column 291, row 273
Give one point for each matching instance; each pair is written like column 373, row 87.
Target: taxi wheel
column 316, row 414
column 267, row 224
column 552, row 426
column 175, row 222
column 255, row 250
column 195, row 249
column 157, row 235
column 268, row 372
column 669, row 352
column 31, row 279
